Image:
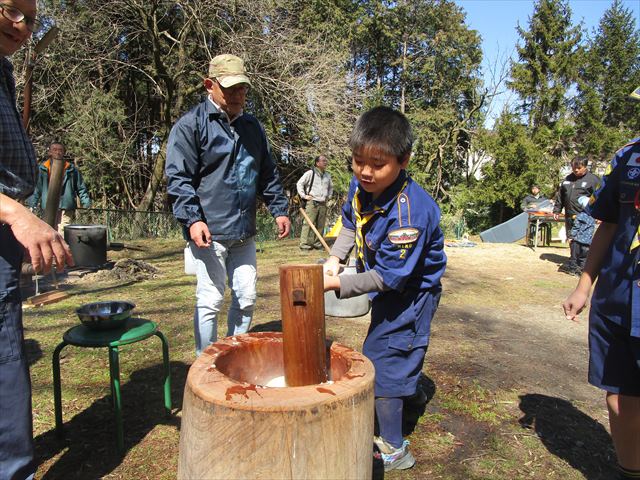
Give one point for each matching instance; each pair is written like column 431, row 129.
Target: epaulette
column 404, row 210
column 635, row 141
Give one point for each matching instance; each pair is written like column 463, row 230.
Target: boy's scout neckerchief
column 363, row 218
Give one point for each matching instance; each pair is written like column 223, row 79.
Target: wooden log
column 302, row 304
column 233, row 428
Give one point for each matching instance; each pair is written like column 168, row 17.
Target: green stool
column 133, row 330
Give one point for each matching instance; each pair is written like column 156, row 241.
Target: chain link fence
column 127, row 225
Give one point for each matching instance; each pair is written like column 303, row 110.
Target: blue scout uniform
column 615, row 305
column 398, row 235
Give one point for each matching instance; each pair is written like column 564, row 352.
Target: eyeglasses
column 16, row 16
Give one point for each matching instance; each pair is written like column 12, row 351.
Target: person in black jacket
column 579, row 183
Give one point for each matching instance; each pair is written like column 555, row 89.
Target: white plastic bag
column 189, row 261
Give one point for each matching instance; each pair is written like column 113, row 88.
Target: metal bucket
column 88, row 244
column 346, row 307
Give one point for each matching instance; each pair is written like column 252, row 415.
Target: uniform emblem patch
column 634, row 160
column 633, row 173
column 403, row 236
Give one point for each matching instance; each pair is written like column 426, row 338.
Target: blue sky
column 496, row 22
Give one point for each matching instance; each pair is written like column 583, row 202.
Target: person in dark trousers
column 579, row 183
column 400, row 259
column 20, row 231
column 218, row 164
column 73, row 187
column 614, row 315
column 315, row 188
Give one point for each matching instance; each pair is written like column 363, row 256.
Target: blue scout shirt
column 403, row 243
column 617, row 293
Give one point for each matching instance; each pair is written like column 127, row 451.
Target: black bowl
column 105, row 315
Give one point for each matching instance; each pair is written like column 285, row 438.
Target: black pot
column 88, row 244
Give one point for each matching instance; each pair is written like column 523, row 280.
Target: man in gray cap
column 218, row 163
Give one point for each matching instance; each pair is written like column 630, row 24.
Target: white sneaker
column 394, row 458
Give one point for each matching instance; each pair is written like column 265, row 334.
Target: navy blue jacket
column 216, row 170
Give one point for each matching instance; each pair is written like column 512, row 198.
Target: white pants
column 227, row 262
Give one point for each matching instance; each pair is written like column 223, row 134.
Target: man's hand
column 574, row 304
column 284, row 226
column 308, row 197
column 556, row 216
column 199, row 233
column 43, row 244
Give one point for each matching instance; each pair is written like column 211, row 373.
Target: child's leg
column 389, row 413
column 574, row 248
column 583, row 251
column 624, row 419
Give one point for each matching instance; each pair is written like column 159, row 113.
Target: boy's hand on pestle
column 331, row 267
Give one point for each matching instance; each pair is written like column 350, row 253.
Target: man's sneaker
column 305, row 247
column 394, row 458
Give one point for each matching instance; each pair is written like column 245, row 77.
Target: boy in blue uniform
column 614, row 319
column 400, row 259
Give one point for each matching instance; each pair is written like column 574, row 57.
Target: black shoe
column 567, row 268
column 318, row 246
column 305, row 247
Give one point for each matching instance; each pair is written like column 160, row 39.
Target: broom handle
column 315, row 230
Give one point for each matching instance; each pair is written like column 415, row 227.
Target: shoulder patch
column 402, row 236
column 634, row 160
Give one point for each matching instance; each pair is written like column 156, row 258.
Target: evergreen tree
column 604, row 115
column 547, row 66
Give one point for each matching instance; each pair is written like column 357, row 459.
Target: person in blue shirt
column 614, row 317
column 582, row 234
column 400, row 260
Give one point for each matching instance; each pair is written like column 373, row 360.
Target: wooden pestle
column 304, row 338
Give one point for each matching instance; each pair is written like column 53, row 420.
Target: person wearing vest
column 315, row 188
column 73, row 187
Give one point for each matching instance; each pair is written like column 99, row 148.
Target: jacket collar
column 386, row 198
column 215, row 112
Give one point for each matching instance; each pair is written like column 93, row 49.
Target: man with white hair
column 218, row 163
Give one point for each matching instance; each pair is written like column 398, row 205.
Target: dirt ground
column 505, row 372
column 505, row 300
column 500, row 326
